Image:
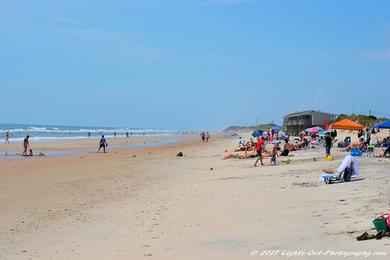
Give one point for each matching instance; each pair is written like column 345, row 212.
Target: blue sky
column 191, row 64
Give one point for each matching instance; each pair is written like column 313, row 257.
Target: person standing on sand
column 274, row 153
column 368, row 136
column 127, row 134
column 207, row 136
column 203, row 136
column 26, row 144
column 259, row 149
column 7, row 135
column 328, row 144
column 102, row 144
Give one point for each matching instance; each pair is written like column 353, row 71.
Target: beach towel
column 328, row 177
column 348, row 159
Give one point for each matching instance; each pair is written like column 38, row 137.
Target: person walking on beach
column 328, row 144
column 102, row 144
column 89, row 134
column 207, row 136
column 7, row 136
column 259, row 149
column 127, row 134
column 26, row 144
column 203, row 136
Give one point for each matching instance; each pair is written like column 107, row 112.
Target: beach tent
column 257, row 133
column 346, row 124
column 385, row 124
column 276, row 128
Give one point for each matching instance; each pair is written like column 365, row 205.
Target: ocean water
column 50, row 132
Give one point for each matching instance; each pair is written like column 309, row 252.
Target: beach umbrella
column 385, row 124
column 311, row 130
column 257, row 133
column 276, row 128
column 322, row 132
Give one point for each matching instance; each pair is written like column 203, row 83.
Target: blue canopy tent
column 385, row 124
column 276, row 128
column 257, row 133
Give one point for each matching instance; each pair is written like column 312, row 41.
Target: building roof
column 307, row 112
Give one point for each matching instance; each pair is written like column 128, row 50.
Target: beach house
column 296, row 122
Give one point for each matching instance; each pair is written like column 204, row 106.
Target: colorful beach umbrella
column 313, row 129
column 276, row 128
column 322, row 132
column 257, row 133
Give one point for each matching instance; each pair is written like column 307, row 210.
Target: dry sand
column 157, row 206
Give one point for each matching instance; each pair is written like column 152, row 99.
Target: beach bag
column 382, row 222
column 285, row 152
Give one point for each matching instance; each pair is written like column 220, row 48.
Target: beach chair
column 345, row 142
column 346, row 170
column 345, row 175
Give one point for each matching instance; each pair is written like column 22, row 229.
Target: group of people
column 259, row 150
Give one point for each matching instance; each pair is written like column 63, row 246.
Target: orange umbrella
column 347, row 124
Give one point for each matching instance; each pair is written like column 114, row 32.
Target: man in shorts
column 328, row 144
column 259, row 149
column 102, row 144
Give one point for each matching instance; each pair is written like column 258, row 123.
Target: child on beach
column 259, row 149
column 274, row 154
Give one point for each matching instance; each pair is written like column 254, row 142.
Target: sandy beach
column 145, row 203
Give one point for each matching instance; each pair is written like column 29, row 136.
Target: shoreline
column 77, row 147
